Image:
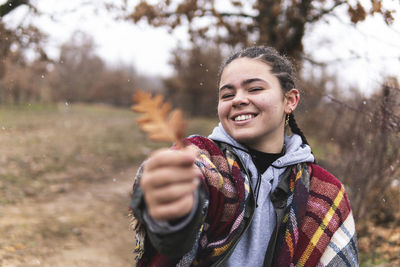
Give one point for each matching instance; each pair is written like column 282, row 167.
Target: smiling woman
column 252, row 105
column 249, row 194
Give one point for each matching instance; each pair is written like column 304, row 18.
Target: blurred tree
column 81, row 75
column 114, row 87
column 193, row 86
column 23, row 82
column 280, row 24
column 19, row 37
column 77, row 70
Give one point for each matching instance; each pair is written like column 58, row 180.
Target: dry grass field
column 65, row 176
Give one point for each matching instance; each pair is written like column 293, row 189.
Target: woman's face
column 252, row 106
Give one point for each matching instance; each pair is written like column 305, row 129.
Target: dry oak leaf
column 158, row 122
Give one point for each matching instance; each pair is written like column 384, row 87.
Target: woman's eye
column 226, row 96
column 255, row 89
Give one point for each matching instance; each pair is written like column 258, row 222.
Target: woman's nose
column 240, row 99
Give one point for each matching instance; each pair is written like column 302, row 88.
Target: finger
column 173, row 210
column 166, row 157
column 171, row 193
column 166, row 176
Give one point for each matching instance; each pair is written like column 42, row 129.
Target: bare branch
column 243, row 15
column 212, row 13
column 10, row 5
column 313, row 61
column 323, row 12
column 394, row 120
column 337, row 101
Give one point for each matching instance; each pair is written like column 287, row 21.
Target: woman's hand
column 169, row 180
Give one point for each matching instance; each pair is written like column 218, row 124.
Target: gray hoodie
column 252, row 247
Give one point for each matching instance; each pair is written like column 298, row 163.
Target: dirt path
column 87, row 225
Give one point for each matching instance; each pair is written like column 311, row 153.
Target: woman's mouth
column 244, row 117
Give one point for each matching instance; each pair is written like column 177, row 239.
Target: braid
column 295, row 128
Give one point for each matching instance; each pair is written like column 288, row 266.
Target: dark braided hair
column 295, row 128
column 281, row 67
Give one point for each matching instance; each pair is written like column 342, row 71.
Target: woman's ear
column 292, row 99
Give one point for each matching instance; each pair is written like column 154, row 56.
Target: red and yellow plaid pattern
column 310, row 222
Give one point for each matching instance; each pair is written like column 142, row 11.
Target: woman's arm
column 166, row 199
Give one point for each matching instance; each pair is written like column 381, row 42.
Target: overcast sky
column 148, row 49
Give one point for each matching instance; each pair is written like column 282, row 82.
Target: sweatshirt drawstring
column 257, row 188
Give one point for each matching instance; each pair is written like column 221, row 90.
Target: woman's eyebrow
column 248, row 81
column 244, row 83
column 226, row 86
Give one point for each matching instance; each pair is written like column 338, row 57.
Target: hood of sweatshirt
column 296, row 151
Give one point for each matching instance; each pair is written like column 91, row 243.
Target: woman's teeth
column 243, row 117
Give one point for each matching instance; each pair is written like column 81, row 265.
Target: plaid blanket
column 317, row 229
column 318, row 226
